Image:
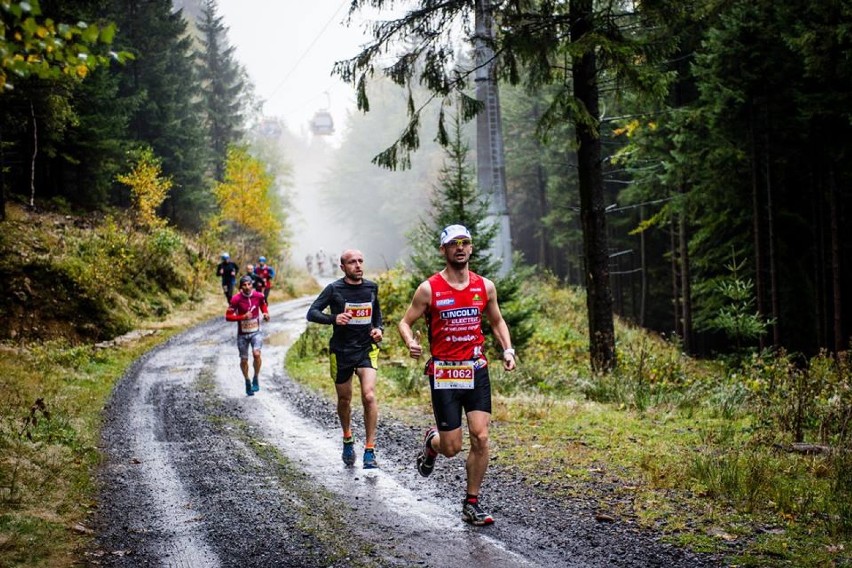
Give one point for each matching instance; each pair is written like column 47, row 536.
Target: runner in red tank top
column 453, row 302
column 454, row 318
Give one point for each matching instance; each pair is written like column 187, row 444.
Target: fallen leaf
column 82, row 529
column 719, row 533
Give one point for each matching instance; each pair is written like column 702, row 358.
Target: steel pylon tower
column 490, row 163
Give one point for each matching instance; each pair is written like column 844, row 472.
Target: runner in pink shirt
column 247, row 308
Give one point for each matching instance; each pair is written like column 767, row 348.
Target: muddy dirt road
column 198, row 474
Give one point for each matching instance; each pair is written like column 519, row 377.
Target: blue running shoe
column 370, row 459
column 255, row 385
column 249, row 391
column 348, row 451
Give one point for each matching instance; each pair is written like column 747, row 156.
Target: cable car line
column 308, row 49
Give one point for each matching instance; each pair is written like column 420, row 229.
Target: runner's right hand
column 415, row 350
column 343, row 318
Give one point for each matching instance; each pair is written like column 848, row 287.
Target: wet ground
column 198, row 474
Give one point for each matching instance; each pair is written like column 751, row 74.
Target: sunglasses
column 459, row 242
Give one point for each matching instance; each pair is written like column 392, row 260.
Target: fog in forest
column 315, row 233
column 337, row 198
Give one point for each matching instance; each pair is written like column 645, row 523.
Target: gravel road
column 197, row 474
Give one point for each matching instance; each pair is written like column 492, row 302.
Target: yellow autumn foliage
column 148, row 189
column 246, row 196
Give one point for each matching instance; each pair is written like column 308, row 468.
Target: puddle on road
column 282, row 338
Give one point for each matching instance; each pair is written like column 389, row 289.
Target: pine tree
column 95, row 148
column 457, row 201
column 222, row 87
column 454, row 201
column 163, row 86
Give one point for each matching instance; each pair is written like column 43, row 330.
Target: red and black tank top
column 455, row 319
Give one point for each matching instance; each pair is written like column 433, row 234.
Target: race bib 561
column 361, row 312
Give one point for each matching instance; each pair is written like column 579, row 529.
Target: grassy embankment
column 696, row 450
column 70, row 284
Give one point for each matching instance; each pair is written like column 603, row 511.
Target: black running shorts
column 447, row 404
column 343, row 365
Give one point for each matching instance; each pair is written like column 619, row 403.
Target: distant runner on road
column 257, row 282
column 357, row 320
column 267, row 273
column 227, row 269
column 453, row 302
column 247, row 308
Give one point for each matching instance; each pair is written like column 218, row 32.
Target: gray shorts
column 244, row 340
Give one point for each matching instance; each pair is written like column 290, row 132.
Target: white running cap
column 454, row 232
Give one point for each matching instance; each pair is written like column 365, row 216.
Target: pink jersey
column 455, row 319
column 241, row 304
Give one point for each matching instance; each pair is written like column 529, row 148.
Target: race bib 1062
column 453, row 374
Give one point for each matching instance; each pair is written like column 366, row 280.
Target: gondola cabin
column 322, row 123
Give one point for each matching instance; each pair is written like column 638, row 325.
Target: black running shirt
column 362, row 300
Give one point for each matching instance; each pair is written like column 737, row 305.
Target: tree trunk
column 592, row 210
column 35, row 153
column 544, row 255
column 675, row 285
column 643, row 294
column 756, row 228
column 839, row 339
column 544, row 249
column 773, row 270
column 685, row 286
column 820, row 301
column 2, row 179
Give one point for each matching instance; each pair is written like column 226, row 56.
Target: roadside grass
column 51, row 400
column 687, row 449
column 50, row 418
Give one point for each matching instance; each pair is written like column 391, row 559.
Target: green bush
column 809, row 401
column 313, row 342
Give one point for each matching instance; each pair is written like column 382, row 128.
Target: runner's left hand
column 509, row 362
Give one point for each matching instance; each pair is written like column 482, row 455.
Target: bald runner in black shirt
column 354, row 313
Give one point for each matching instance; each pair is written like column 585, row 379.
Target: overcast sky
column 288, row 48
